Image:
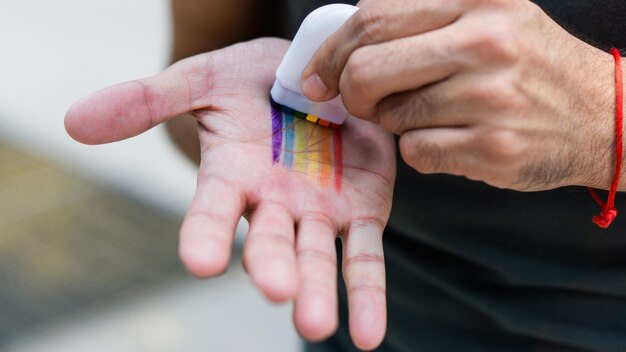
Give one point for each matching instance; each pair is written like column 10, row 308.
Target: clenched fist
column 493, row 90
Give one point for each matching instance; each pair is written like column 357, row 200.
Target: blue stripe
column 289, row 128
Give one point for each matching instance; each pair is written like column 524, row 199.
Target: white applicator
column 286, row 91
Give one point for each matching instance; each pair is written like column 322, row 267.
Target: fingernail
column 314, row 88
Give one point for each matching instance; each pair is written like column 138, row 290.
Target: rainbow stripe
column 311, row 118
column 309, row 148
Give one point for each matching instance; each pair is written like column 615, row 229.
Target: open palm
column 299, row 184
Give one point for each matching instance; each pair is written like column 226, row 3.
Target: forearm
column 204, row 25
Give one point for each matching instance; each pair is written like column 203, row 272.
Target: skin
column 200, row 26
column 289, row 252
column 493, row 90
column 518, row 104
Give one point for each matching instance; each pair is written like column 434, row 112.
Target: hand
column 295, row 213
column 493, row 90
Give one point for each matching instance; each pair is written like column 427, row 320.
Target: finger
column 460, row 101
column 269, row 253
column 376, row 71
column 440, row 150
column 427, row 107
column 316, row 312
column 375, row 22
column 364, row 275
column 208, row 229
column 128, row 109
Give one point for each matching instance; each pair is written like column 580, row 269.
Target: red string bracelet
column 608, row 213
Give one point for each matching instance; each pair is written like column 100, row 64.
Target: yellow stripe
column 313, row 154
column 300, row 144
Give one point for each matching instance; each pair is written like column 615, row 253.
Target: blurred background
column 88, row 234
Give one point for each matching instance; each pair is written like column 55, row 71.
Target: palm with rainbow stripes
column 298, row 143
column 284, row 182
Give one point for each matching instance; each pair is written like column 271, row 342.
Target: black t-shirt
column 474, row 268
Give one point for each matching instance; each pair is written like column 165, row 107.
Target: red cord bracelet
column 608, row 213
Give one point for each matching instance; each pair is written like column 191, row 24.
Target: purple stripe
column 277, row 134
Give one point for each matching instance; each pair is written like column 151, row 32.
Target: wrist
column 597, row 146
column 607, row 209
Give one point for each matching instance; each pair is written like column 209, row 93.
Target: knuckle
column 418, row 155
column 408, row 151
column 326, row 64
column 363, row 258
column 358, row 71
column 276, row 238
column 317, row 218
column 149, row 103
column 497, row 40
column 356, row 82
column 211, row 219
column 504, row 43
column 424, row 157
column 399, row 112
column 316, row 256
column 372, row 224
column 389, row 112
column 369, row 23
column 501, row 146
column 422, row 106
column 268, row 244
column 373, row 288
column 495, row 95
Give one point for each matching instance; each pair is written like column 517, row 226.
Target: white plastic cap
column 315, row 29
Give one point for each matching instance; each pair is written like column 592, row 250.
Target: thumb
column 131, row 108
column 320, row 78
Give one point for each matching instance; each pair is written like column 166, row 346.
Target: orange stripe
column 323, row 123
column 325, row 148
column 338, row 158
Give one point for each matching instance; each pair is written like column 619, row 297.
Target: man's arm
column 205, row 25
